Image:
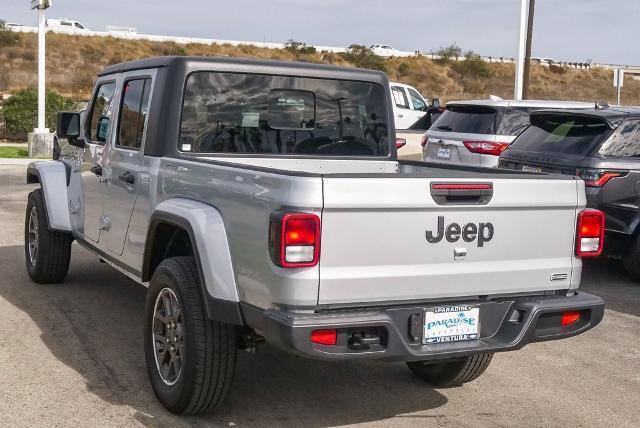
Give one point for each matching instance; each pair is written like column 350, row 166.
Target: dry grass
column 73, row 62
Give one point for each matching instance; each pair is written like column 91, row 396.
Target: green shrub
column 472, row 66
column 7, row 37
column 448, row 53
column 20, row 112
column 363, row 57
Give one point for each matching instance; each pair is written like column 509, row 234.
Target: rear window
column 512, row 120
column 562, row 134
column 467, row 119
column 264, row 114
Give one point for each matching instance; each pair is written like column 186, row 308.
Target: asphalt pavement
column 71, row 355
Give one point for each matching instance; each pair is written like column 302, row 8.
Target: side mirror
column 68, row 125
column 435, row 102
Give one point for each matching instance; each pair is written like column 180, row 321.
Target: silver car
column 475, row 132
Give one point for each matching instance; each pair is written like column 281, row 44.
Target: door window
column 399, row 97
column 101, row 112
column 416, row 100
column 133, row 113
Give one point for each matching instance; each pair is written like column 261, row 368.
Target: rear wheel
column 47, row 253
column 452, row 373
column 631, row 260
column 190, row 359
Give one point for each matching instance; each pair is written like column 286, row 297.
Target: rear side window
column 101, row 113
column 467, row 119
column 399, row 97
column 133, row 113
column 416, row 100
column 562, row 134
column 264, row 114
column 625, row 141
column 512, row 120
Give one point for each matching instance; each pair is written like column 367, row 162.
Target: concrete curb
column 17, row 161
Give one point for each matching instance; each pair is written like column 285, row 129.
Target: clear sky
column 572, row 30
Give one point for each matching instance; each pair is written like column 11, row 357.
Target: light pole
column 41, row 141
column 524, row 12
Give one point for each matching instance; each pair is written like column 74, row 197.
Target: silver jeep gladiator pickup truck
column 263, row 201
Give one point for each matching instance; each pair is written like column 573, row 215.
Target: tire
column 47, row 253
column 205, row 350
column 631, row 260
column 453, row 373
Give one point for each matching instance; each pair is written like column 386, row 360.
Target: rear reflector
column 294, row 240
column 400, row 142
column 324, row 337
column 569, row 317
column 486, row 147
column 462, row 186
column 590, row 233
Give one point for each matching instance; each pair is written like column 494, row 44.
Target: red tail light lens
column 485, row 147
column 590, row 233
column 597, row 178
column 294, row 240
column 400, row 142
column 569, row 317
column 424, row 140
column 324, row 337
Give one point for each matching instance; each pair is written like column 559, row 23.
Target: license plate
column 527, row 168
column 444, row 153
column 451, row 324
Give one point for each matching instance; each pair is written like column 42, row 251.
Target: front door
column 97, row 134
column 124, row 163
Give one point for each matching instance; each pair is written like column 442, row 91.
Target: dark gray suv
column 601, row 145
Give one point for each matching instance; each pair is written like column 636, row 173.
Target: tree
column 472, row 66
column 299, row 47
column 21, row 110
column 7, row 37
column 447, row 53
column 363, row 57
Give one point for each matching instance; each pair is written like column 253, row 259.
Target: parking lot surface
column 71, row 354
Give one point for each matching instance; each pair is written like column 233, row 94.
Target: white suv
column 475, row 132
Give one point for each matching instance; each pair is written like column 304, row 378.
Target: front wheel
column 451, row 373
column 47, row 253
column 190, row 359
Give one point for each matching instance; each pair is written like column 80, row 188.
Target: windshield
column 562, row 134
column 263, row 114
column 467, row 119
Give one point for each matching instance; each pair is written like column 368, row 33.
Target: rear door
column 125, row 161
column 388, row 239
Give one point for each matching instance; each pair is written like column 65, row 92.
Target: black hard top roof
column 258, row 66
column 612, row 115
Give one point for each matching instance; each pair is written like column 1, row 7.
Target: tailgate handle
column 461, row 193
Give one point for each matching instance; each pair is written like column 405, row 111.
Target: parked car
column 266, row 203
column 66, row 25
column 409, row 105
column 412, row 140
column 603, row 147
column 384, row 50
column 475, row 132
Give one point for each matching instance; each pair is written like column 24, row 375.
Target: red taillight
column 590, row 233
column 597, row 178
column 424, row 140
column 400, row 142
column 324, row 337
column 462, row 186
column 294, row 240
column 569, row 317
column 486, row 147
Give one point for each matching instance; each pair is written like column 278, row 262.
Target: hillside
column 73, row 62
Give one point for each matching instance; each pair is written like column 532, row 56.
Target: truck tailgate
column 375, row 249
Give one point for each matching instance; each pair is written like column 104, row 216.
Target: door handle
column 400, row 115
column 96, row 169
column 127, row 177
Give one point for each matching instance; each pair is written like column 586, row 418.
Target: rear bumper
column 538, row 320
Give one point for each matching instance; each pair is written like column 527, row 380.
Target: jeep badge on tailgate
column 483, row 232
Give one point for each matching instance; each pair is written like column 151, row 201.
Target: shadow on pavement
column 92, row 323
column 608, row 279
